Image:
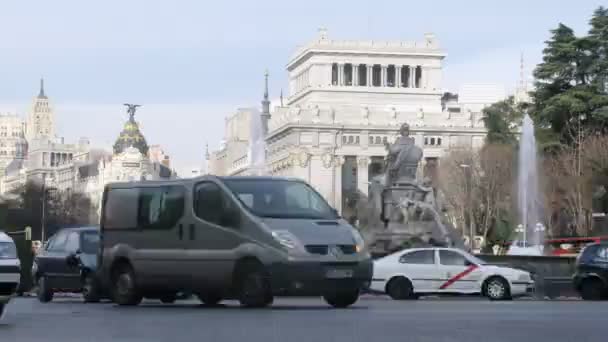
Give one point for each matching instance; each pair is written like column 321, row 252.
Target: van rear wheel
column 210, row 298
column 124, row 288
column 254, row 288
column 342, row 298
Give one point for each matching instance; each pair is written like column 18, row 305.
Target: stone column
column 398, row 76
column 370, row 69
column 383, row 76
column 363, row 174
column 355, row 75
column 340, row 74
column 412, row 76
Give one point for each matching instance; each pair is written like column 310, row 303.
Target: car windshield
column 8, row 250
column 89, row 242
column 281, row 199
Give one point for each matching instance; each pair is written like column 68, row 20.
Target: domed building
column 131, row 136
column 130, row 161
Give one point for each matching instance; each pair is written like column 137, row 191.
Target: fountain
column 401, row 210
column 530, row 229
column 257, row 145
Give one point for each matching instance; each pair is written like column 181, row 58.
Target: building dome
column 131, row 136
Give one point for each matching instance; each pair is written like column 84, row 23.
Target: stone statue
column 131, row 108
column 402, row 158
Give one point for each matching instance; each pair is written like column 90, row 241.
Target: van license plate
column 339, row 274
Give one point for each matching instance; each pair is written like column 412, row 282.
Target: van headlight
column 359, row 242
column 288, row 240
column 524, row 277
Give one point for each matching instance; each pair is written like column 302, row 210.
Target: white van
column 10, row 270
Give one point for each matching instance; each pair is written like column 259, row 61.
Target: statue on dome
column 131, row 108
column 402, row 158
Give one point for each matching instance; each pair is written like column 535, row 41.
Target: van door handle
column 192, row 232
column 180, row 231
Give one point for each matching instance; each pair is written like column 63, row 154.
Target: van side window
column 72, row 243
column 160, row 207
column 209, row 202
column 59, row 242
column 120, row 209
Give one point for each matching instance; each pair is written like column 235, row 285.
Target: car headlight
column 359, row 242
column 524, row 277
column 288, row 240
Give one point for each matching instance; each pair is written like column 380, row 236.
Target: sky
column 190, row 63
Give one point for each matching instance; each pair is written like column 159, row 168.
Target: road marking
column 458, row 277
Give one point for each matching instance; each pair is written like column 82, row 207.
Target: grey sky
column 192, row 62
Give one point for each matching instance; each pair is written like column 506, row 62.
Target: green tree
column 569, row 95
column 501, row 119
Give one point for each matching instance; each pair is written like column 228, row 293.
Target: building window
column 390, row 76
column 378, row 140
column 418, row 77
column 405, row 76
column 362, row 75
column 371, row 140
column 376, row 75
column 348, row 74
column 334, row 74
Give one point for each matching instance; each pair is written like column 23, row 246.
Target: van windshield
column 281, row 199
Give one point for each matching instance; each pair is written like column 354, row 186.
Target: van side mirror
column 72, row 260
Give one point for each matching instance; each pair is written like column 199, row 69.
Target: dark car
column 591, row 277
column 68, row 263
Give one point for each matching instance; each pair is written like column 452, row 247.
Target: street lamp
column 467, row 171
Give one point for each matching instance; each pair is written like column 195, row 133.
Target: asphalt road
column 372, row 319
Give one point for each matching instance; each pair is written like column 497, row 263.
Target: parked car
column 412, row 272
column 10, row 271
column 247, row 238
column 591, row 276
column 68, row 263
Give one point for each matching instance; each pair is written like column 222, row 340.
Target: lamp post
column 467, row 172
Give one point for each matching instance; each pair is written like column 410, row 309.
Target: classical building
column 346, row 100
column 33, row 151
column 63, row 167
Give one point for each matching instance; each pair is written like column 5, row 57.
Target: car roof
column 80, row 229
column 5, row 237
column 147, row 183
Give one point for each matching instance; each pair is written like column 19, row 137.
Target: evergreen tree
column 569, row 95
column 500, row 120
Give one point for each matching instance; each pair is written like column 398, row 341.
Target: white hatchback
column 10, row 270
column 411, row 272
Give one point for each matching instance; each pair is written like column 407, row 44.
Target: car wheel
column 210, row 298
column 592, row 289
column 168, row 299
column 124, row 288
column 342, row 299
column 2, row 307
column 497, row 288
column 45, row 293
column 90, row 291
column 400, row 288
column 254, row 288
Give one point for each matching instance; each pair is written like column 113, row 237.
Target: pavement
column 373, row 318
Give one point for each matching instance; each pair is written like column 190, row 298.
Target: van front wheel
column 342, row 299
column 255, row 290
column 124, row 287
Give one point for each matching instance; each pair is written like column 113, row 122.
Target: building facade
column 347, row 100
